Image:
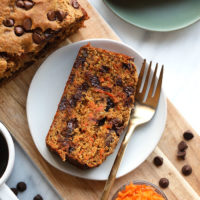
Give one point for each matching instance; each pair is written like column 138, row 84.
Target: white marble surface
column 24, row 170
column 179, row 51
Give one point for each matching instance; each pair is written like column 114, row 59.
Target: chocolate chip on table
column 27, row 24
column 20, row 3
column 186, row 170
column 19, row 31
column 164, row 183
column 38, row 197
column 8, row 22
column 15, row 191
column 60, row 15
column 188, row 135
column 28, row 4
column 158, row 161
column 75, row 4
column 21, row 186
column 182, row 146
column 181, row 155
column 51, row 15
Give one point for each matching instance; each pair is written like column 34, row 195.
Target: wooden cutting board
column 13, row 114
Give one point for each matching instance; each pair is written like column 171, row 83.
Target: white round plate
column 44, row 95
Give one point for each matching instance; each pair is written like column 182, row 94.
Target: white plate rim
column 38, row 71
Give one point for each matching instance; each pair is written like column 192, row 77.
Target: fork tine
column 152, row 82
column 146, row 81
column 158, row 88
column 141, row 76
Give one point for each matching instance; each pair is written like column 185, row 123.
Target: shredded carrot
column 107, row 93
column 138, row 192
column 101, row 151
column 108, row 126
column 101, row 79
column 100, row 108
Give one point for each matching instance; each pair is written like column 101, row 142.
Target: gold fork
column 145, row 108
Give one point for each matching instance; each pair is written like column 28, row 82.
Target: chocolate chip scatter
column 60, row 15
column 94, row 81
column 158, row 161
column 21, row 186
column 48, row 34
column 72, row 124
column 128, row 102
column 164, row 182
column 38, row 197
column 8, row 22
column 71, row 149
column 181, row 155
column 75, row 4
column 119, row 82
column 126, row 66
column 20, row 4
column 15, row 191
column 104, row 69
column 188, row 135
column 101, row 122
column 106, row 89
column 79, row 61
column 72, row 102
column 51, row 15
column 182, row 146
column 117, row 125
column 84, row 87
column 63, row 104
column 28, row 4
column 37, row 36
column 109, row 139
column 27, row 24
column 110, row 104
column 187, row 170
column 19, row 31
column 129, row 90
column 78, row 95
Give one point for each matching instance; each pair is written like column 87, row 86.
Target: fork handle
column 118, row 159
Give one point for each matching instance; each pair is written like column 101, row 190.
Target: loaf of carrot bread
column 95, row 107
column 28, row 27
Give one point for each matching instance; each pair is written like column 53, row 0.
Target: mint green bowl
column 157, row 15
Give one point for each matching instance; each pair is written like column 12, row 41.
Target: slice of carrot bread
column 95, row 107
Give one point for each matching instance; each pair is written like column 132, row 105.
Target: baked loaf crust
column 27, row 27
column 95, row 107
